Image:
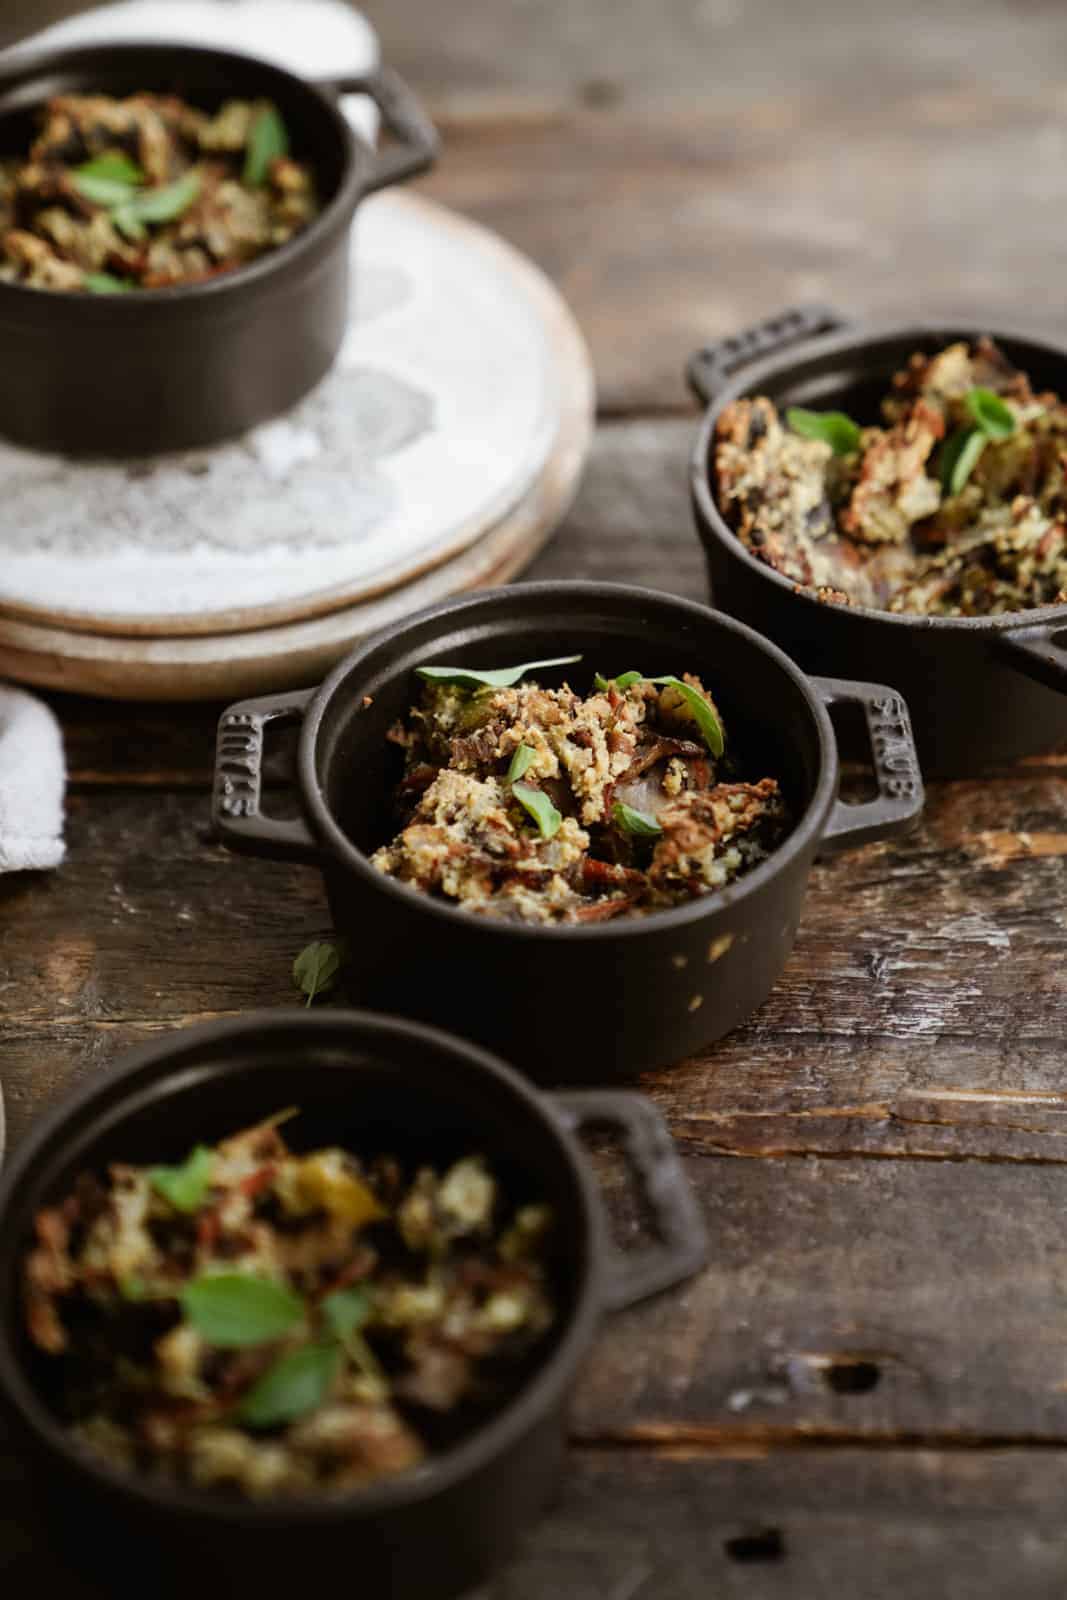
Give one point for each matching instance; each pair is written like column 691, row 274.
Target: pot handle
column 1037, row 651
column 896, row 766
column 710, row 368
column 403, row 116
column 683, row 1242
column 235, row 810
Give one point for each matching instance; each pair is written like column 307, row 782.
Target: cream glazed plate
column 441, row 414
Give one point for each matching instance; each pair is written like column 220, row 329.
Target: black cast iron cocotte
column 375, row 1085
column 577, row 1003
column 981, row 690
column 184, row 367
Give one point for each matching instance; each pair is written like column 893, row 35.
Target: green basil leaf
column 996, row 420
column 346, row 1310
column 639, row 823
column 103, row 191
column 622, row 682
column 497, row 678
column 832, row 427
column 104, row 283
column 521, row 762
column 537, row 804
column 959, row 457
column 115, row 165
column 235, row 1309
column 185, row 1187
column 705, row 717
column 294, row 1386
column 267, row 140
column 316, row 968
column 128, row 223
column 167, row 203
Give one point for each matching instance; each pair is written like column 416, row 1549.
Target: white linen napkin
column 33, row 778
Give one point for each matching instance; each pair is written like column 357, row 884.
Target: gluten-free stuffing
column 148, row 192
column 544, row 805
column 955, row 505
column 258, row 1322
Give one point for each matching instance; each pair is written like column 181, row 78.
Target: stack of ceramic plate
column 437, row 457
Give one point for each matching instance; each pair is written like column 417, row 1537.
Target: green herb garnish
column 295, row 1385
column 185, row 1187
column 537, row 804
column 521, row 762
column 234, row 1309
column 103, row 191
column 996, row 420
column 639, row 823
column 267, row 141
column 104, row 283
column 115, row 166
column 832, row 427
column 703, row 714
column 497, row 678
column 346, row 1310
column 622, row 682
column 316, row 968
column 156, row 205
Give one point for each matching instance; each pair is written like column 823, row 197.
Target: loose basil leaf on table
column 268, row 140
column 294, row 1386
column 640, row 823
column 493, row 678
column 316, row 968
column 187, row 1185
column 537, row 804
column 831, row 427
column 232, row 1310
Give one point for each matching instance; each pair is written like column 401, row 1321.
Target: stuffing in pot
column 262, row 1323
column 148, row 192
column 546, row 806
column 954, row 506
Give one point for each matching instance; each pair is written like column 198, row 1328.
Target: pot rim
column 15, row 298
column 808, row 828
column 712, row 523
column 536, row 1399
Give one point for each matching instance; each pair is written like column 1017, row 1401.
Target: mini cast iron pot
column 982, row 690
column 171, row 369
column 375, row 1085
column 567, row 1004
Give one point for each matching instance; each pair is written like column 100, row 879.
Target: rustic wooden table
column 865, row 1394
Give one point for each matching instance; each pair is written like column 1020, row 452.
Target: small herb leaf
column 185, row 1187
column 163, row 205
column 104, row 283
column 832, row 427
column 233, row 1309
column 294, row 1386
column 346, row 1310
column 267, row 141
column 497, row 678
column 622, row 682
column 103, row 191
column 521, row 762
column 996, row 420
column 315, row 969
column 114, row 165
column 703, row 714
column 959, row 457
column 128, row 223
column 537, row 804
column 638, row 823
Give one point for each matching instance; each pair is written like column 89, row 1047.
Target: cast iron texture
column 172, row 369
column 372, row 1084
column 981, row 690
column 566, row 1004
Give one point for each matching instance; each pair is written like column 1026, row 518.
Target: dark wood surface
column 865, row 1393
